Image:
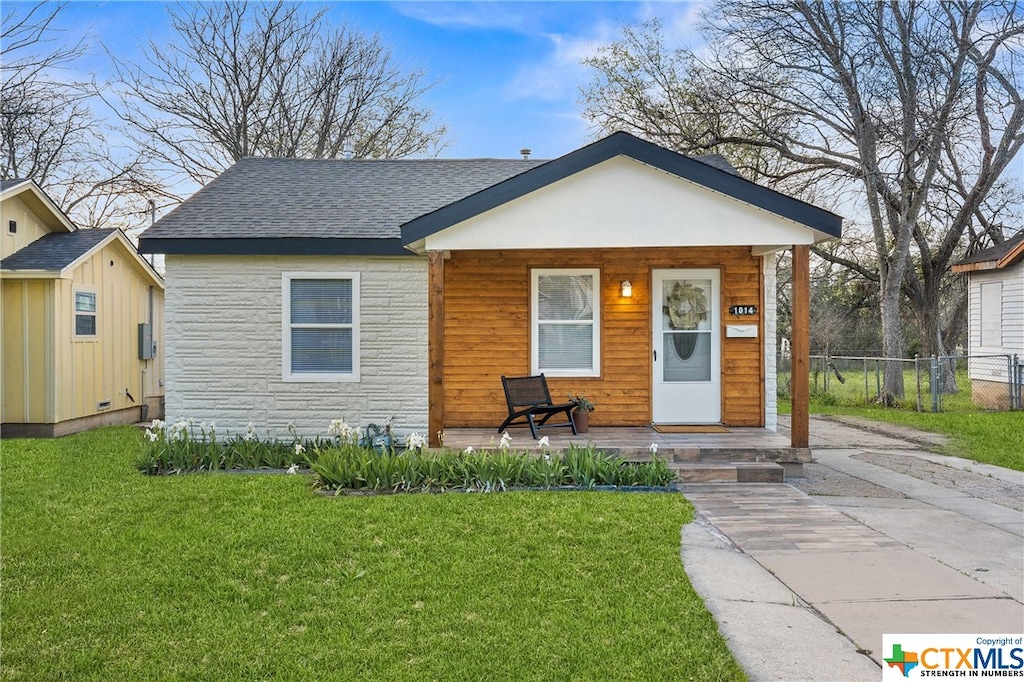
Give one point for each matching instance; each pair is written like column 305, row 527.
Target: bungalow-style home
column 302, row 291
column 996, row 322
column 82, row 322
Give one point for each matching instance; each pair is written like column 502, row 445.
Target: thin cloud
column 558, row 75
column 515, row 17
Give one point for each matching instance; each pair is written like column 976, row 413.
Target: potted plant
column 581, row 413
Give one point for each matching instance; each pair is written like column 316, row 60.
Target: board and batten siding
column 27, row 351
column 51, row 376
column 224, row 343
column 487, row 331
column 106, row 368
column 29, row 227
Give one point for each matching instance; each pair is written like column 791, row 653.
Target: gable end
column 648, row 153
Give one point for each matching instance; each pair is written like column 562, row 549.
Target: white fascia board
column 31, row 274
column 621, row 203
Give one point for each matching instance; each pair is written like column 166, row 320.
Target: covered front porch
column 659, row 311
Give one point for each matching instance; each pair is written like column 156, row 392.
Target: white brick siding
column 771, row 377
column 224, row 335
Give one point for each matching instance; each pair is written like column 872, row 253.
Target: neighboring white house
column 996, row 321
column 303, row 291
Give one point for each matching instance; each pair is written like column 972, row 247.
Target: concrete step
column 729, row 472
column 715, row 454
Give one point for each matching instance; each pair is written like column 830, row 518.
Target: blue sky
column 508, row 73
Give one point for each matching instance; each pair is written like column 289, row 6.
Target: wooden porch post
column 435, row 347
column 801, row 346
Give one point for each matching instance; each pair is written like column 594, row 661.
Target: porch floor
column 634, row 442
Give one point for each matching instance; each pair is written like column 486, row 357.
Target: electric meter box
column 146, row 348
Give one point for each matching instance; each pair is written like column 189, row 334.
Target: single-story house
column 302, row 291
column 82, row 321
column 995, row 322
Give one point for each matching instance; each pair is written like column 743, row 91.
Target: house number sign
column 743, row 310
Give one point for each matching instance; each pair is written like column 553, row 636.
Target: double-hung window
column 320, row 314
column 85, row 313
column 565, row 322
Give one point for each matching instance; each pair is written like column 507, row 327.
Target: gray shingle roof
column 354, row 199
column 55, row 251
column 717, row 161
column 994, row 253
column 7, row 184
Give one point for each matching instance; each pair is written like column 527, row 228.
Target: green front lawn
column 109, row 574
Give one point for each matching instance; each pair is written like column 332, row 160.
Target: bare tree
column 244, row 79
column 49, row 132
column 907, row 106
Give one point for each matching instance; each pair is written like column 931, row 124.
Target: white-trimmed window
column 565, row 322
column 991, row 305
column 320, row 315
column 85, row 313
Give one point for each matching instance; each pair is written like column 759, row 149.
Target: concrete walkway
column 801, row 584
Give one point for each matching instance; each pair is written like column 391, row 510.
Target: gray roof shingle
column 994, row 253
column 352, row 199
column 717, row 161
column 56, row 250
column 7, row 184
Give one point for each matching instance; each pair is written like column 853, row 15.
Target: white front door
column 686, row 347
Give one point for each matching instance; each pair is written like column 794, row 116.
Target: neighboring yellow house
column 81, row 313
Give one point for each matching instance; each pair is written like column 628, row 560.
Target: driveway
column 881, row 536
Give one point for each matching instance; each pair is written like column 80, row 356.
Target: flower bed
column 344, row 461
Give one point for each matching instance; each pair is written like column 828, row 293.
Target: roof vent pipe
column 525, row 152
column 151, row 205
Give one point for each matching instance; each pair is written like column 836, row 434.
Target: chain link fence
column 954, row 383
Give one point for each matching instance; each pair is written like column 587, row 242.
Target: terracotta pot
column 582, row 419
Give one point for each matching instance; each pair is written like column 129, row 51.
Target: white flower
column 543, row 443
column 299, row 448
column 415, row 441
column 250, row 433
column 654, row 448
column 151, row 435
column 506, row 441
column 293, row 469
column 547, row 458
column 469, row 450
column 178, row 430
column 339, row 428
column 158, row 425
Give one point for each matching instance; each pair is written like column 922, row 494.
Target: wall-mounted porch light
column 627, row 289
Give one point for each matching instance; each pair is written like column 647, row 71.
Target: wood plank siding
column 487, row 331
